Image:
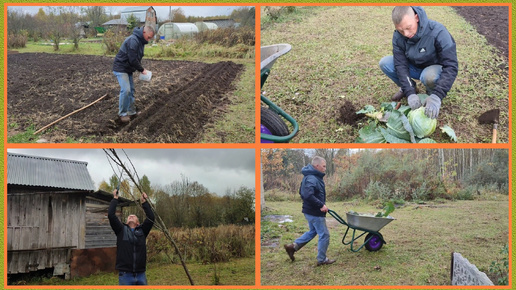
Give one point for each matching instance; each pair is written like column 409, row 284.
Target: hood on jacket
column 310, row 170
column 422, row 24
column 138, row 32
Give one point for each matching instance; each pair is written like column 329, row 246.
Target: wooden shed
column 52, row 211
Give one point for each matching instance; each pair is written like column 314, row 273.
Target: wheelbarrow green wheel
column 273, row 122
column 374, row 244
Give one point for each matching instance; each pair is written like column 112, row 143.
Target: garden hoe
column 490, row 117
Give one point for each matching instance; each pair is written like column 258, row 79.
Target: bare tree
column 96, row 15
column 178, row 15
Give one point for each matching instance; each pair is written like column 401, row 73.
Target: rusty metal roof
column 48, row 172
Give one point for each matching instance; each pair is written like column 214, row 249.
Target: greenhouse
column 172, row 30
column 203, row 26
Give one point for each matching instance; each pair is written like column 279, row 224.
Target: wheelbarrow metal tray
column 269, row 54
column 369, row 223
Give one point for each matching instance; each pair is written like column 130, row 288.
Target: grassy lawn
column 85, row 47
column 418, row 250
column 334, row 60
column 236, row 272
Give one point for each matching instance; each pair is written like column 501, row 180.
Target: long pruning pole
column 158, row 222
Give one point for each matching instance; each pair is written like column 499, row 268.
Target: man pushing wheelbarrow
column 313, row 193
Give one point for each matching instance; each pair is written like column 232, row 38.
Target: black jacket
column 431, row 45
column 131, row 251
column 313, row 191
column 129, row 57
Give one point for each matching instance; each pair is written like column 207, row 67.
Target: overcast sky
column 162, row 11
column 216, row 169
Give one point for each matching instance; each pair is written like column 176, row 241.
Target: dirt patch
column 181, row 100
column 348, row 114
column 490, row 21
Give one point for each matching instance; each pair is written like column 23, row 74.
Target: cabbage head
column 421, row 124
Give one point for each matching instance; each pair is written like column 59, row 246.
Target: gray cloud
column 216, row 169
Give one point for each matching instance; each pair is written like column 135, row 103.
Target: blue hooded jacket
column 431, row 45
column 129, row 57
column 313, row 191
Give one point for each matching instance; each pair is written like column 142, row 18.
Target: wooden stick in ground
column 78, row 110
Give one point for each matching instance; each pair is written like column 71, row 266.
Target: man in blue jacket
column 313, row 193
column 422, row 49
column 127, row 61
column 131, row 250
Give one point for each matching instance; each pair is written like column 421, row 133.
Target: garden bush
column 203, row 245
column 16, row 40
column 112, row 40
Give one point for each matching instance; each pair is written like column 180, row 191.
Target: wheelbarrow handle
column 337, row 217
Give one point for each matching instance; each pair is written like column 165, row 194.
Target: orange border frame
column 257, row 145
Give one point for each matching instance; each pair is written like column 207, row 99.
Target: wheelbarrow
column 272, row 127
column 369, row 225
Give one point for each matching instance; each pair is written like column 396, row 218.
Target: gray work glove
column 433, row 104
column 414, row 102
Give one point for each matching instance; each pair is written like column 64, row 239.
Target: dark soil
column 348, row 114
column 490, row 21
column 182, row 98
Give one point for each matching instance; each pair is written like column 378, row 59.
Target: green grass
column 85, row 47
column 26, row 136
column 185, row 50
column 334, row 59
column 418, row 250
column 236, row 272
column 236, row 126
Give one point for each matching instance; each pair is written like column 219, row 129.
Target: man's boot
column 326, row 262
column 291, row 249
column 400, row 95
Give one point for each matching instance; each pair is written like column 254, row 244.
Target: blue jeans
column 428, row 76
column 126, row 98
column 317, row 226
column 130, row 278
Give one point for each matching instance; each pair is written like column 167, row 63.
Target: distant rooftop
column 120, row 21
column 48, row 172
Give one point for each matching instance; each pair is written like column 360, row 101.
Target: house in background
column 56, row 219
column 145, row 14
column 115, row 23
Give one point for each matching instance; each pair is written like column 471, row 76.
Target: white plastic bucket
column 146, row 77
